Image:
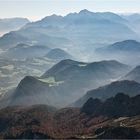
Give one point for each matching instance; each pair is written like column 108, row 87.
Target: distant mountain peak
column 85, row 11
column 128, row 43
column 123, row 46
column 52, row 17
column 58, row 54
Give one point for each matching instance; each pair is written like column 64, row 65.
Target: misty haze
column 73, row 74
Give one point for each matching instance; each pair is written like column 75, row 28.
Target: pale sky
column 37, row 9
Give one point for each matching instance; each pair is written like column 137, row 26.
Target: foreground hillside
column 132, row 88
column 42, row 121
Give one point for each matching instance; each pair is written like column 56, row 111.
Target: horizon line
column 33, row 19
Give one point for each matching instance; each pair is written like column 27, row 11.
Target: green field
column 51, row 81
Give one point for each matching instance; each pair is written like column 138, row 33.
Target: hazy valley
column 73, row 76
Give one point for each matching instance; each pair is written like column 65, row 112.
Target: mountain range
column 133, row 75
column 11, row 24
column 120, row 105
column 64, row 82
column 24, row 51
column 73, row 76
column 134, row 20
column 72, row 32
column 132, row 88
column 123, row 46
column 126, row 51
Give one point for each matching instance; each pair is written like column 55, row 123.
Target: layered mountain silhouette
column 132, row 88
column 12, row 39
column 132, row 17
column 124, row 46
column 24, row 51
column 75, row 29
column 133, row 75
column 126, row 51
column 76, row 68
column 11, row 24
column 58, row 54
column 64, row 82
column 96, row 97
column 134, row 20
